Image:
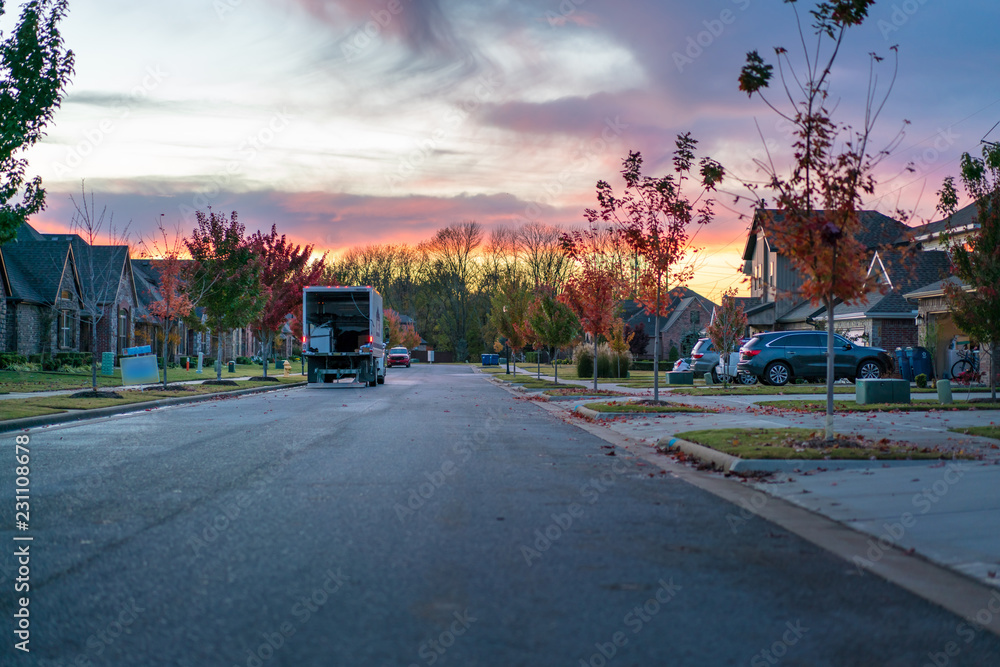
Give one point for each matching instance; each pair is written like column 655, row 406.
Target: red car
column 398, row 356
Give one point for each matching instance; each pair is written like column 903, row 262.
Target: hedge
column 648, row 365
column 8, row 359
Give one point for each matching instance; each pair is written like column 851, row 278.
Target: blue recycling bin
column 903, row 364
column 920, row 361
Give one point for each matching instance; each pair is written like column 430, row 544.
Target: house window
column 65, row 294
column 122, row 331
column 65, row 329
column 695, row 317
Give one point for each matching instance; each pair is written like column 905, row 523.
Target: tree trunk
column 595, row 362
column 93, row 344
column 829, row 368
column 166, row 334
column 218, row 356
column 265, row 348
column 555, row 366
column 656, row 346
column 993, row 371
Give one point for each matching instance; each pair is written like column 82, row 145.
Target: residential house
column 688, row 313
column 936, row 329
column 41, row 295
column 909, row 281
column 777, row 284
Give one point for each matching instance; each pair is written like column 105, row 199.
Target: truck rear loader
column 342, row 334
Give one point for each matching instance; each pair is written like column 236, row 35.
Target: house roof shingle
column 35, row 269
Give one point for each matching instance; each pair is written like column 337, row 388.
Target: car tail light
column 746, row 354
column 696, row 356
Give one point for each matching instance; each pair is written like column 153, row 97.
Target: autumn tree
column 35, row 67
column 451, row 271
column 818, row 204
column 593, row 291
column 638, row 339
column 552, row 321
column 99, row 267
column 975, row 300
column 393, row 327
column 174, row 302
column 545, row 264
column 619, row 341
column 284, row 269
column 509, row 315
column 226, row 273
column 654, row 215
column 726, row 329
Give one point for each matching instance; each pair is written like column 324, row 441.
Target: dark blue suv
column 778, row 357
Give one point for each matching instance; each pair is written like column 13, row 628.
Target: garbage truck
column 342, row 334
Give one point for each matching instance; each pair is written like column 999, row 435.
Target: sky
column 349, row 122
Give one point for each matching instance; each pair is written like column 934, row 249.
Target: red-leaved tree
column 726, row 329
column 594, row 289
column 174, row 302
column 654, row 215
column 285, row 270
column 818, row 223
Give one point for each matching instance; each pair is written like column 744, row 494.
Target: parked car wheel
column 778, row 373
column 746, row 378
column 869, row 370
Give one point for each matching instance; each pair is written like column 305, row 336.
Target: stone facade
column 685, row 330
column 27, row 336
column 108, row 333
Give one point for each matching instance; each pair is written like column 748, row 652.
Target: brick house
column 688, row 313
column 59, row 283
column 41, row 295
column 109, row 294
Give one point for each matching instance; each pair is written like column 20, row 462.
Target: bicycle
column 965, row 371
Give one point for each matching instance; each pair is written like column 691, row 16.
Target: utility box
column 870, row 392
column 680, row 377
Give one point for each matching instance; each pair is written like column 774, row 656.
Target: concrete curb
column 730, row 463
column 65, row 417
column 546, row 397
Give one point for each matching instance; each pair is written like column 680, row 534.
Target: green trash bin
column 232, row 366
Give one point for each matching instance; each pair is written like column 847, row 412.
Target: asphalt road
column 435, row 520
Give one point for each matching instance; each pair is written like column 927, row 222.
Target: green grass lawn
column 851, row 406
column 984, row 431
column 626, row 406
column 18, row 409
column 785, row 443
column 17, row 381
column 30, row 407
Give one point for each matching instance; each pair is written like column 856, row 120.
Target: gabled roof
column 35, row 269
column 877, row 229
column 935, row 289
column 681, row 298
column 146, row 278
column 963, row 220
